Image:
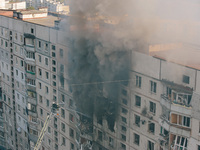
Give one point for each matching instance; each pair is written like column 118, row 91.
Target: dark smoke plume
column 102, row 35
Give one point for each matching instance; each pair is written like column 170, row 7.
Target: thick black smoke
column 102, row 35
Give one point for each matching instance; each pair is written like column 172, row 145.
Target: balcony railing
column 178, row 102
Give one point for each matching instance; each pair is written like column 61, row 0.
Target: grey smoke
column 102, row 34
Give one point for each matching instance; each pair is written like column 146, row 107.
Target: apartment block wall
column 29, row 127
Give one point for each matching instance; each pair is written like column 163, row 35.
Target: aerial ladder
column 54, row 110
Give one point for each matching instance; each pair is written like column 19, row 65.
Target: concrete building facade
column 158, row 106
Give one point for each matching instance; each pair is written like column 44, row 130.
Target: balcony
column 34, row 114
column 31, row 87
column 30, row 75
column 165, row 101
column 182, row 109
column 180, row 130
column 30, row 60
column 32, row 100
column 32, row 137
column 164, row 123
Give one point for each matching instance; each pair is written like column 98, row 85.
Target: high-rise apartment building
column 158, row 106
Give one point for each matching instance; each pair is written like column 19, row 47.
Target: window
column 46, row 46
column 32, row 30
column 137, row 101
column 49, row 142
column 123, row 128
column 63, row 97
column 124, row 111
column 71, row 133
column 61, row 68
column 53, row 47
column 153, row 86
column 54, row 98
column 46, row 61
column 136, row 139
column 186, row 79
column 61, row 53
column 180, row 120
column 21, row 38
column 53, row 62
column 152, row 107
column 111, row 142
column 72, row 146
column 22, row 63
column 63, row 127
column 54, row 91
column 47, row 75
column 71, row 117
column 124, row 92
column 123, row 146
column 41, row 111
column 39, row 58
column 123, row 137
column 55, row 133
column 150, row 145
column 40, row 85
column 54, row 69
column 54, row 77
column 22, row 76
column 124, row 101
column 15, row 36
column 39, row 44
column 124, row 119
column 137, row 120
column 40, row 98
column 53, row 54
column 42, row 124
column 30, row 55
column 54, row 83
column 30, row 81
column 180, row 142
column 138, row 81
column 56, row 146
column 100, row 135
column 198, row 147
column 16, row 61
column 19, row 109
column 40, row 71
column 63, row 141
column 151, row 127
column 47, row 89
column 47, row 102
column 70, row 103
column 99, row 120
column 63, row 113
